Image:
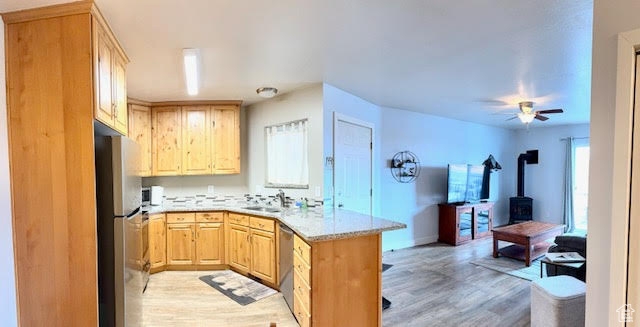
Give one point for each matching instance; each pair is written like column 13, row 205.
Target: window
column 287, row 162
column 580, row 184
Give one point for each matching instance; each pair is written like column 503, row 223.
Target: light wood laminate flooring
column 430, row 285
column 436, row 285
column 179, row 298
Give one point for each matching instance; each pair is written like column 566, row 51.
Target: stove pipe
column 529, row 157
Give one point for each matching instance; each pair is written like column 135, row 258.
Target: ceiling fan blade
column 541, row 117
column 512, row 118
column 503, row 113
column 551, row 111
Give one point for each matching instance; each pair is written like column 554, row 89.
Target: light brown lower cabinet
column 181, row 244
column 157, row 241
column 263, row 251
column 302, row 281
column 239, row 248
column 209, row 243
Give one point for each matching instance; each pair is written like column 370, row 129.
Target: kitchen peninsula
column 337, row 256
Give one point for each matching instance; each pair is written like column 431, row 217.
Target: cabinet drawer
column 303, row 317
column 184, row 217
column 303, row 290
column 301, row 248
column 238, row 219
column 209, row 217
column 262, row 223
column 156, row 216
column 302, row 268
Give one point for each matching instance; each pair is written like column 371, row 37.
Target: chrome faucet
column 282, row 198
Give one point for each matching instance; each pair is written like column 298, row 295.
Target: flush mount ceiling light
column 191, row 60
column 267, row 92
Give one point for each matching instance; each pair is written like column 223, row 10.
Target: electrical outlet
column 210, row 189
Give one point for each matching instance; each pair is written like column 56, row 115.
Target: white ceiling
column 437, row 56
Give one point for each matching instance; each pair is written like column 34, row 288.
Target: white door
column 353, row 158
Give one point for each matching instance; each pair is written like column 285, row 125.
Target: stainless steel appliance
column 123, row 255
column 146, row 196
column 286, row 264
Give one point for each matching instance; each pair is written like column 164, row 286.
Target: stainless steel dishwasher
column 286, row 264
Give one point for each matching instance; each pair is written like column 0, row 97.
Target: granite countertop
column 312, row 224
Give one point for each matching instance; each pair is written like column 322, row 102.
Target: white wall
column 8, row 312
column 609, row 19
column 544, row 182
column 223, row 184
column 299, row 104
column 437, row 141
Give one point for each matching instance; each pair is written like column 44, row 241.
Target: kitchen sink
column 264, row 209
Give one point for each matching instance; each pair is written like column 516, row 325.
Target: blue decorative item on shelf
column 405, row 167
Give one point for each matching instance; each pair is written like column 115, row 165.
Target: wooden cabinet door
column 119, row 95
column 263, row 255
column 104, row 59
column 180, row 244
column 140, row 131
column 157, row 241
column 196, row 135
column 209, row 243
column 166, row 141
column 226, row 139
column 239, row 247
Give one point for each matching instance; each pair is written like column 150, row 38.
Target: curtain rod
column 575, row 138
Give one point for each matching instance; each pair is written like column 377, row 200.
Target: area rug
column 510, row 266
column 237, row 287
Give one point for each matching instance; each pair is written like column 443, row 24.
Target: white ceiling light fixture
column 267, row 92
column 526, row 118
column 191, row 71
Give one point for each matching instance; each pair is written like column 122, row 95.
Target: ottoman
column 557, row 301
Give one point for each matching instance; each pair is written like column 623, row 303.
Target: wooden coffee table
column 528, row 238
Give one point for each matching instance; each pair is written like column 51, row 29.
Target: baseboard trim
column 397, row 245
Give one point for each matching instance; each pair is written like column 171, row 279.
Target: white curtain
column 568, row 218
column 287, row 162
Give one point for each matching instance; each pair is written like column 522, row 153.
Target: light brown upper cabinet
column 196, row 138
column 186, row 138
column 120, row 96
column 110, row 79
column 166, row 140
column 140, row 131
column 226, row 139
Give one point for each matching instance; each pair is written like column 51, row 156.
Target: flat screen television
column 464, row 183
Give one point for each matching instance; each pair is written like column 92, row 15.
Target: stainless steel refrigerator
column 123, row 255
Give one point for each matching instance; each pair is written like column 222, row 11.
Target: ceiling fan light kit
column 527, row 114
column 526, row 118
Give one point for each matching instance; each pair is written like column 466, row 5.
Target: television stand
column 461, row 223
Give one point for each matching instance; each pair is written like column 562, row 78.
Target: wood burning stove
column 521, row 207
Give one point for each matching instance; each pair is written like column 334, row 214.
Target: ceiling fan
column 527, row 114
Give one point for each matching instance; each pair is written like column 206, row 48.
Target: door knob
column 340, row 205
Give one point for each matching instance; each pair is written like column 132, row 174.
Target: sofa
column 569, row 243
